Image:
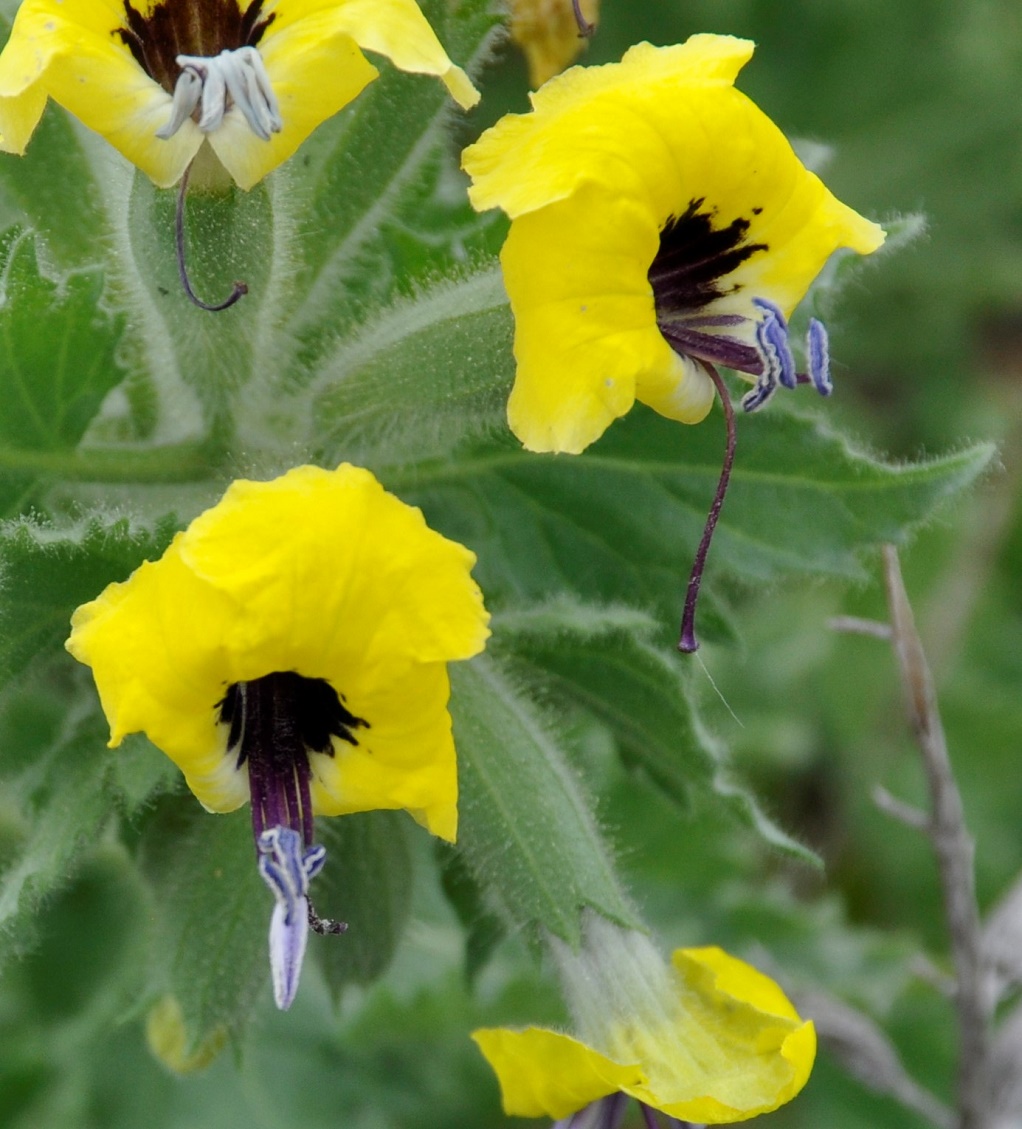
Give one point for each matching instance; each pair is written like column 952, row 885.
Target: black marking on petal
column 275, row 722
column 282, row 717
column 695, row 258
column 188, row 27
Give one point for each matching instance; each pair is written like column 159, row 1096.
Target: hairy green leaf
column 604, row 659
column 366, row 172
column 211, row 915
column 58, row 803
column 620, row 523
column 418, row 380
column 51, row 189
column 367, row 882
column 526, row 830
column 46, row 572
column 54, row 382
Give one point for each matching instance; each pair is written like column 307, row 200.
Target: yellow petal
column 394, row 28
column 359, row 579
column 167, row 1037
column 405, row 759
column 315, row 70
column 728, row 1047
column 19, row 115
column 157, row 647
column 586, row 339
column 592, row 124
column 741, row 1048
column 68, row 51
column 318, row 572
column 608, row 157
column 546, row 1073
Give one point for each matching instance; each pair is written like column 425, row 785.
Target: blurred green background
column 920, row 104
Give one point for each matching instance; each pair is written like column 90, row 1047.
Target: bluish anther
column 818, row 355
column 772, row 340
column 777, row 365
column 287, row 869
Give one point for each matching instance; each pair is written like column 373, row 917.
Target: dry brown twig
column 953, row 848
column 944, row 825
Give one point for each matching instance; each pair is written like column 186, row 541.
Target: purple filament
column 240, row 288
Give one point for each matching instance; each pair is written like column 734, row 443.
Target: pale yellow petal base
column 736, row 1049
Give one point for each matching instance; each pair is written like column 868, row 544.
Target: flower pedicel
column 290, row 648
column 661, row 225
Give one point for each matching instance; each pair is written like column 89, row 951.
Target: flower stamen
column 240, row 288
column 288, row 868
column 818, row 355
column 275, row 722
column 604, row 1113
column 213, row 84
column 687, row 643
column 772, row 339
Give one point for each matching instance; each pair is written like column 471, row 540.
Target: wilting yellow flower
column 253, row 77
column 548, row 33
column 660, row 224
column 709, row 1040
column 291, row 647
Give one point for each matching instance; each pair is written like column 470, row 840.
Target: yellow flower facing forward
column 707, row 1040
column 660, row 225
column 290, row 647
column 552, row 33
column 158, row 78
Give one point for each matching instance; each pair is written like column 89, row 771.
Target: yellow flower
column 660, row 225
column 549, row 34
column 291, row 646
column 709, row 1040
column 157, row 78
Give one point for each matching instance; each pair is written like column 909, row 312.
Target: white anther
column 186, row 97
column 216, row 84
column 249, row 87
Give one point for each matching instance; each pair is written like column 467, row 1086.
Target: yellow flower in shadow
column 661, row 224
column 548, row 33
column 708, row 1040
column 252, row 77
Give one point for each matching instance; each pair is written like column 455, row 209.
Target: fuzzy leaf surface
column 620, row 523
column 367, row 882
column 526, row 830
column 46, row 572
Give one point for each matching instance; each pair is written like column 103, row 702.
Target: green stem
column 183, row 462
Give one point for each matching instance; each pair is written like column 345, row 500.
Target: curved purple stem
column 585, row 29
column 240, row 288
column 688, row 643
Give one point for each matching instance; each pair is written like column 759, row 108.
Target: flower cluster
column 290, row 647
